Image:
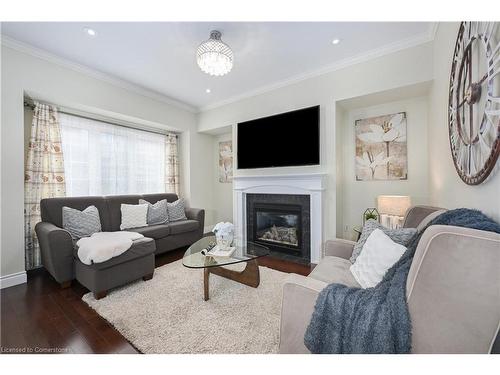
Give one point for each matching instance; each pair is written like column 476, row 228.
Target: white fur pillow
column 134, row 215
column 379, row 254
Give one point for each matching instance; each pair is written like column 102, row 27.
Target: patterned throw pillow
column 81, row 223
column 157, row 213
column 176, row 210
column 134, row 216
column 401, row 236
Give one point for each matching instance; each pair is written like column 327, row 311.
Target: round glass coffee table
column 249, row 252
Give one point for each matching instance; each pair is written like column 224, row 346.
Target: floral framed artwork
column 381, row 149
column 225, row 161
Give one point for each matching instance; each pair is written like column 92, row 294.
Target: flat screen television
column 284, row 140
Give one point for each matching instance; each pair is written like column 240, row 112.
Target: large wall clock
column 474, row 101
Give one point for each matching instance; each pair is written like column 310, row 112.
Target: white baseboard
column 208, row 228
column 13, row 279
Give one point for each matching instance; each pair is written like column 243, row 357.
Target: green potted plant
column 371, row 213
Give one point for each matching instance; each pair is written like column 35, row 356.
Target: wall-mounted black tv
column 284, row 140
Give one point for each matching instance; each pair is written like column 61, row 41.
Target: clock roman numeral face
column 474, row 100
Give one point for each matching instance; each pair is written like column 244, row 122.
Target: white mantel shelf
column 312, row 184
column 281, row 176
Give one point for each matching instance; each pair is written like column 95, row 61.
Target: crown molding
column 433, row 30
column 49, row 57
column 423, row 38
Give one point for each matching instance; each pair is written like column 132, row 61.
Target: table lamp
column 392, row 209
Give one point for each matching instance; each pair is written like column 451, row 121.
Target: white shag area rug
column 167, row 314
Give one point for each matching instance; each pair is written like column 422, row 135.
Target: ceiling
column 160, row 56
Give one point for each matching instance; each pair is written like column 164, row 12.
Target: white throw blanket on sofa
column 102, row 246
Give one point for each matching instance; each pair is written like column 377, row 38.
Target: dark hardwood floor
column 40, row 317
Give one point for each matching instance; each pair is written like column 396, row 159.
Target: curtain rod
column 91, row 116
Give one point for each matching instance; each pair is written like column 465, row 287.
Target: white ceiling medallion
column 213, row 56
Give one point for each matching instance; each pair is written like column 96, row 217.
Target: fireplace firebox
column 278, row 225
column 281, row 222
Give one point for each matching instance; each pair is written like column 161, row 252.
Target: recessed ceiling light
column 208, row 91
column 89, row 31
column 336, row 41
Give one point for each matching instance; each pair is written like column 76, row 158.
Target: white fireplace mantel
column 312, row 184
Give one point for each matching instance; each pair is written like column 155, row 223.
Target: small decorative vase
column 224, row 240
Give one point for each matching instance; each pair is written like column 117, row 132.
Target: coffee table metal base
column 249, row 276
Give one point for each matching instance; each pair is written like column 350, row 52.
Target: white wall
column 447, row 189
column 223, row 191
column 23, row 73
column 340, row 119
column 357, row 196
column 201, row 172
column 406, row 67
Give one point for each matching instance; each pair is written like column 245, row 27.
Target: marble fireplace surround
column 312, row 184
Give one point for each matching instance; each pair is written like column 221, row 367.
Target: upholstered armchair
column 453, row 289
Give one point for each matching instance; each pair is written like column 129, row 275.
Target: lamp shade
column 393, row 204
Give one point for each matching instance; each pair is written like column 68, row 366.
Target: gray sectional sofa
column 59, row 255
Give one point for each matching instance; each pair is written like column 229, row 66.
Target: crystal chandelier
column 214, row 56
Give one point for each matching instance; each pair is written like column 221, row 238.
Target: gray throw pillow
column 176, row 210
column 81, row 223
column 401, row 236
column 157, row 213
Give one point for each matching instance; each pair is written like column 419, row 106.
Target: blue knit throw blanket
column 377, row 320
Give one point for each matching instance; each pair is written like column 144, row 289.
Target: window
column 105, row 159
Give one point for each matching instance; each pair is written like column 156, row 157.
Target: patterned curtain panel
column 44, row 174
column 171, row 164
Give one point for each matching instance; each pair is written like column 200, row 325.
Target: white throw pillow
column 134, row 215
column 379, row 254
